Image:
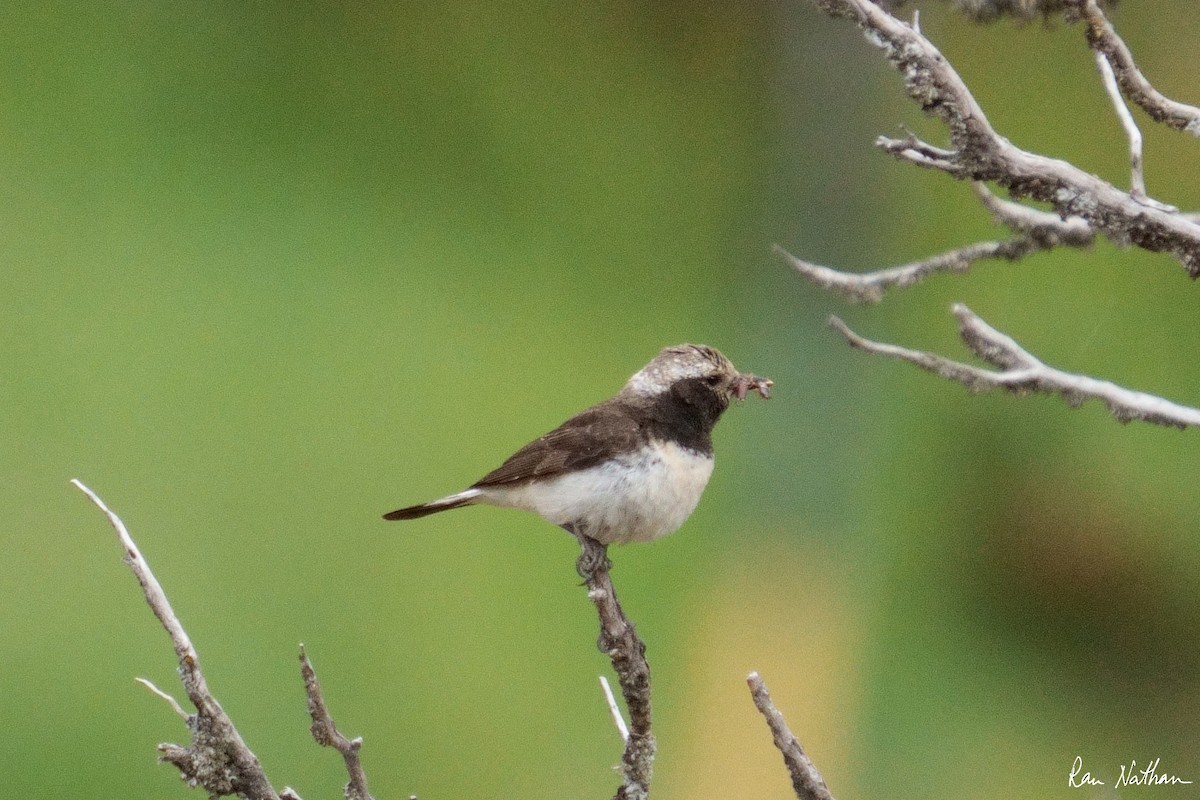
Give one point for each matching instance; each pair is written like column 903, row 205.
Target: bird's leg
column 593, row 556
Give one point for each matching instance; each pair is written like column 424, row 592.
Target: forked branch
column 217, row 760
column 1102, row 37
column 977, row 152
column 326, row 734
column 1084, row 204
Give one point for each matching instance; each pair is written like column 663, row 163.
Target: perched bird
column 629, row 469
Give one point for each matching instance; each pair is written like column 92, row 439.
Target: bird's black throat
column 686, row 413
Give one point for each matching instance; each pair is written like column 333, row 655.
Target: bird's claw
column 593, row 558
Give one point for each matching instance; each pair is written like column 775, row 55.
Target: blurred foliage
column 272, row 270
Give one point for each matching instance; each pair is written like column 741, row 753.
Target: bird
column 629, row 469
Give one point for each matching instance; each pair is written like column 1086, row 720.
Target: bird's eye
column 712, row 380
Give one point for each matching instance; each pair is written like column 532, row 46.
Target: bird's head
column 695, row 372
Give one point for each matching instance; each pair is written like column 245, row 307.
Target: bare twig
column 1103, row 38
column 614, row 710
column 1021, row 373
column 1137, row 177
column 619, row 641
column 1036, row 230
column 868, row 287
column 806, row 780
column 217, row 759
column 989, row 10
column 978, row 153
column 1049, row 230
column 326, row 733
column 171, row 701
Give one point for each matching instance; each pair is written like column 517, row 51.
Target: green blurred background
column 271, row 270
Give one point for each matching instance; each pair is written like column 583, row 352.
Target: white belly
column 634, row 499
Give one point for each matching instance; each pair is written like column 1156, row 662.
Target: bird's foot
column 593, row 558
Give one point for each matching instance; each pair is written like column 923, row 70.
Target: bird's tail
column 464, row 498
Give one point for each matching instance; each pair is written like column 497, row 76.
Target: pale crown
column 675, row 364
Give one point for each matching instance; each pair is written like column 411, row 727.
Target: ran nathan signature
column 1130, row 776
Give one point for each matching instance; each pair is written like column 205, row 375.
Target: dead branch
column 619, row 641
column 217, row 760
column 990, row 10
column 1084, row 204
column 1102, row 37
column 326, row 734
column 1021, row 373
column 868, row 287
column 1049, row 230
column 806, row 780
column 1137, row 173
column 979, row 153
column 1035, row 231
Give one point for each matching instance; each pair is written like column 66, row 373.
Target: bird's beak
column 744, row 384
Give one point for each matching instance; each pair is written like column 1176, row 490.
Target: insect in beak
column 746, row 383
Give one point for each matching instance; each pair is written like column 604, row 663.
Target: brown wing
column 583, row 441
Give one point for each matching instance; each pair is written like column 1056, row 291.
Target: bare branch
column 614, row 710
column 979, row 153
column 1037, row 230
column 619, row 641
column 1047, row 229
column 1137, row 178
column 1103, row 38
column 217, row 759
column 326, row 734
column 920, row 153
column 989, row 10
column 868, row 287
column 1021, row 373
column 806, row 780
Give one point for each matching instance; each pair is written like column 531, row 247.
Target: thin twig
column 326, row 734
column 614, row 710
column 806, row 780
column 922, row 153
column 868, row 287
column 1137, row 178
column 217, row 759
column 1021, row 373
column 171, row 701
column 979, row 153
column 991, row 10
column 1036, row 230
column 1102, row 37
column 619, row 641
column 1049, row 230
